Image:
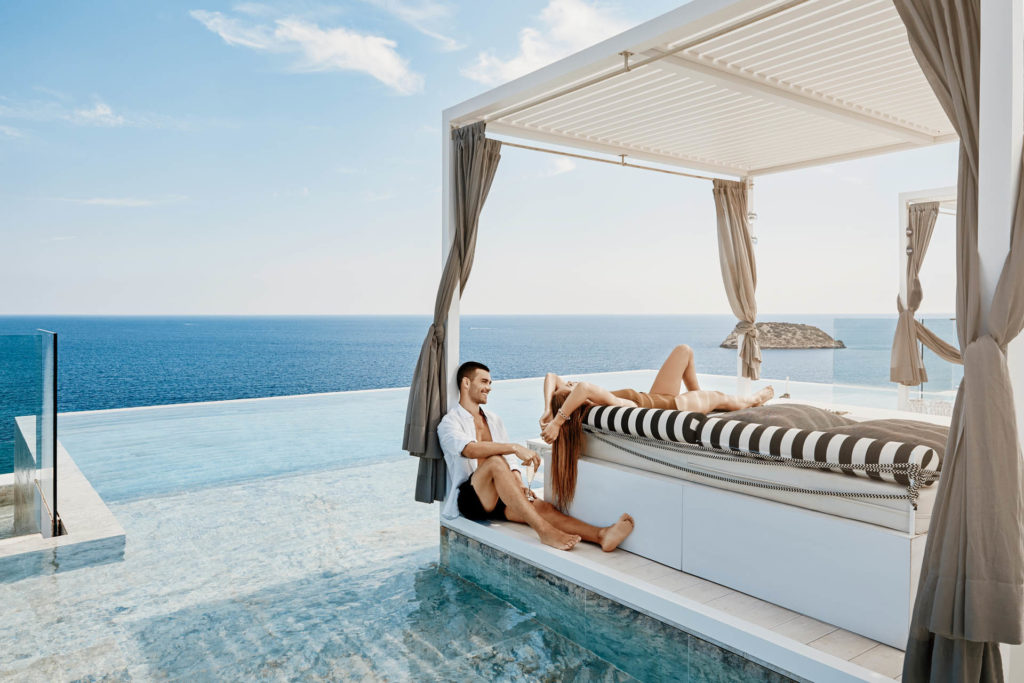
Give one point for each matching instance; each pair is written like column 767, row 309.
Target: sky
column 284, row 158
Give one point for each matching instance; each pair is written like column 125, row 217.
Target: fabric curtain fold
column 971, row 591
column 939, row 346
column 906, row 365
column 474, row 163
column 739, row 268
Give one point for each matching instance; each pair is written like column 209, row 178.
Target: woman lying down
column 565, row 402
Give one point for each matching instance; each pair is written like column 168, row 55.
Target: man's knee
column 493, row 463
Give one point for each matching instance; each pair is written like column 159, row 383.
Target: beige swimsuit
column 645, row 400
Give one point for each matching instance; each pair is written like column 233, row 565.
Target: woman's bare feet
column 611, row 536
column 763, row 396
column 558, row 539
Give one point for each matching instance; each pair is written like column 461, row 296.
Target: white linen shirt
column 455, row 432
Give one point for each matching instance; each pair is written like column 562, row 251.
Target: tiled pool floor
column 275, row 539
column 320, row 576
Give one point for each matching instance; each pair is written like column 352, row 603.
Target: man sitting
column 471, row 436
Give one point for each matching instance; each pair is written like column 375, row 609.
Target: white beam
column 1001, row 134
column 521, row 133
column 694, row 18
column 787, row 95
column 447, row 239
column 846, row 156
column 743, row 383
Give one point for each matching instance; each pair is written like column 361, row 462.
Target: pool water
column 302, row 577
column 275, row 539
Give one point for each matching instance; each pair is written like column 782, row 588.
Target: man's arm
column 485, row 449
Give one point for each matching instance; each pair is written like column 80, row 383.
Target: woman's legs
column 707, row 401
column 678, row 369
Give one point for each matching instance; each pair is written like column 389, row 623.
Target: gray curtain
column 739, row 268
column 906, row 366
column 971, row 591
column 474, row 162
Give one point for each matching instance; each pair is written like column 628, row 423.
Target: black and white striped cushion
column 749, row 437
column 652, row 423
column 827, row 447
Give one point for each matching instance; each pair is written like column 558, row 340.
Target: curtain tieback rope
column 748, row 329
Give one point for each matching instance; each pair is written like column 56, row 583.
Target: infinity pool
column 275, row 539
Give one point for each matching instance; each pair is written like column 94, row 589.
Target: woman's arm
column 551, row 382
column 584, row 392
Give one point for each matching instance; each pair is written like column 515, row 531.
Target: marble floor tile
column 752, row 609
column 843, row 644
column 803, row 629
column 650, row 572
column 703, row 591
column 674, row 580
column 883, row 659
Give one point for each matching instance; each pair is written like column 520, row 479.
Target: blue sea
column 117, row 362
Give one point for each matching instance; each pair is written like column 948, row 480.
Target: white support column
column 902, row 393
column 447, row 239
column 1001, row 126
column 1001, row 134
column 742, row 383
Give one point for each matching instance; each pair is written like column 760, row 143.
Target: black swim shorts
column 470, row 506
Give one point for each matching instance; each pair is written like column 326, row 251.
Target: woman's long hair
column 565, row 451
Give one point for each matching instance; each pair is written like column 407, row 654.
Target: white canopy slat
column 760, row 87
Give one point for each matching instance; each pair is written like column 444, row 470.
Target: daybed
column 827, row 519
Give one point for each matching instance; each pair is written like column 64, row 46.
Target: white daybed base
column 883, row 503
column 858, row 576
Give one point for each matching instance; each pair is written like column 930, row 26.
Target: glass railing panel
column 46, row 433
column 861, row 369
column 937, row 395
column 21, row 399
column 28, row 428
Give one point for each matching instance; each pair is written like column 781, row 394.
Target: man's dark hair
column 467, row 369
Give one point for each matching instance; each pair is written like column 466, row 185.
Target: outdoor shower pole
column 743, row 383
column 902, row 393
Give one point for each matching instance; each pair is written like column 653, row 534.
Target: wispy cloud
column 11, row 132
column 318, row 49
column 56, row 94
column 123, row 202
column 371, row 196
column 290, row 193
column 58, row 238
column 564, row 27
column 98, row 113
column 424, row 16
column 560, row 165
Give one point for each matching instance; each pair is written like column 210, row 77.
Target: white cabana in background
column 741, row 88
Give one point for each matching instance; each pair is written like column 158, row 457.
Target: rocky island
column 789, row 336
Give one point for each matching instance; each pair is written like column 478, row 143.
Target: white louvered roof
column 749, row 87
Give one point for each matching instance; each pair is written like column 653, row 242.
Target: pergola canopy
column 735, row 88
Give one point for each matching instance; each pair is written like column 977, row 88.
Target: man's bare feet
column 612, row 536
column 763, row 396
column 558, row 539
